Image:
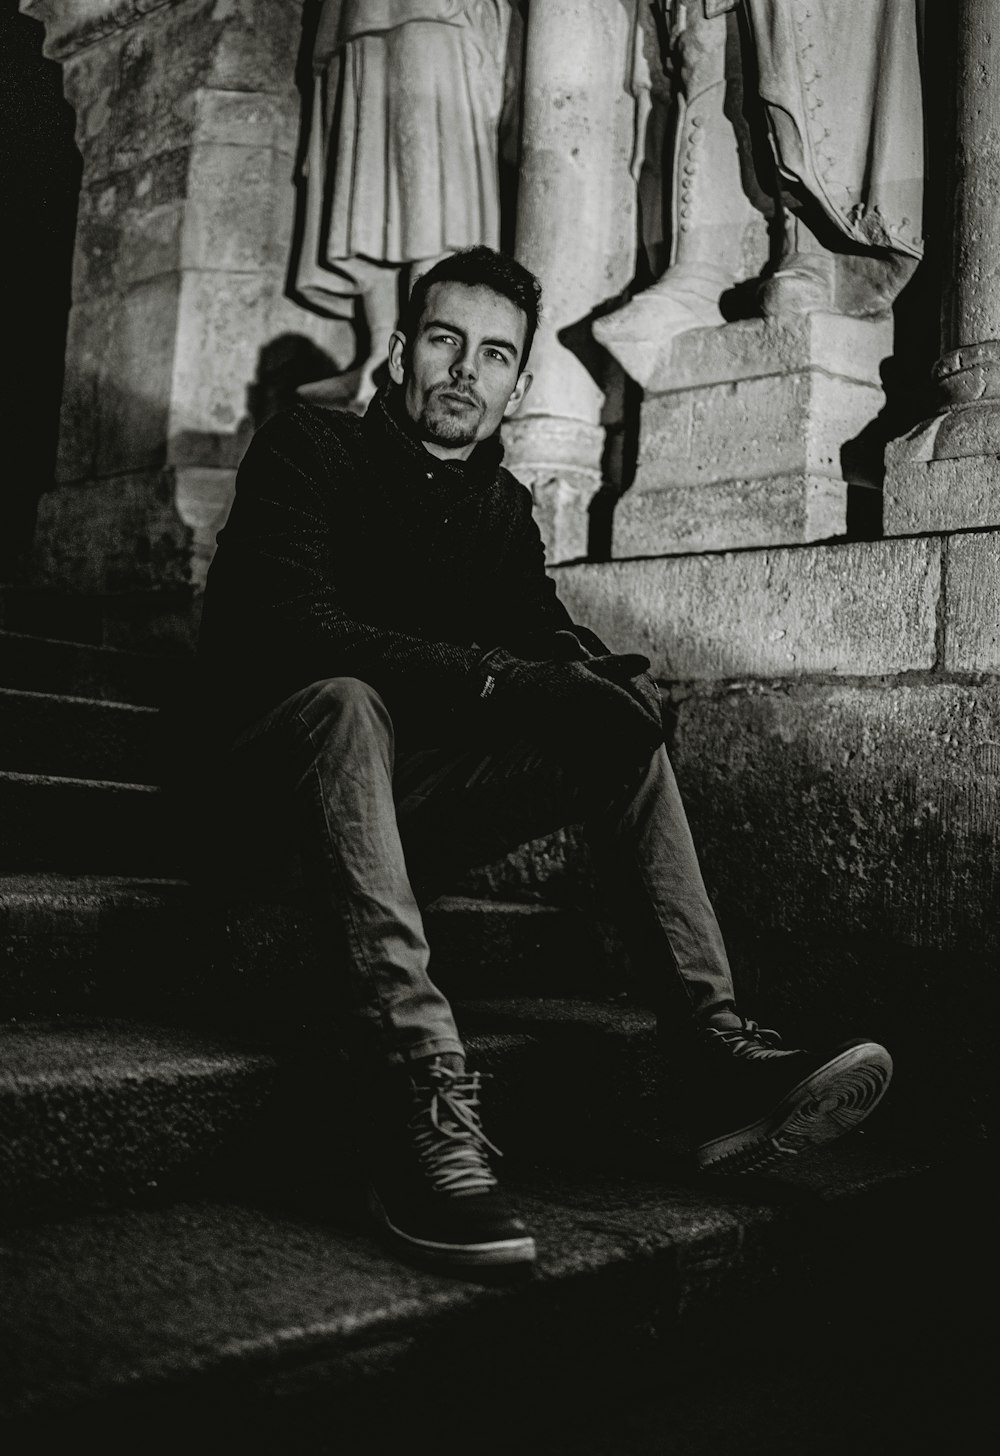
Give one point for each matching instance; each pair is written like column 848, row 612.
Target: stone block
column 129, row 226
column 938, row 495
column 860, row 609
column 847, row 348
column 228, row 215
column 712, row 517
column 133, row 91
column 121, row 533
column 258, row 44
column 87, row 342
column 136, row 89
column 119, row 359
column 243, row 118
column 221, row 326
column 853, row 810
column 761, row 410
column 135, row 379
column 752, row 429
column 972, row 603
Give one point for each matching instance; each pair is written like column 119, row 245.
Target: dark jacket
column 350, row 550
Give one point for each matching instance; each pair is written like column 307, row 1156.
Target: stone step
column 158, row 622
column 782, row 1315
column 90, row 826
column 93, row 1111
column 148, row 946
column 106, row 1109
column 51, row 733
column 47, row 665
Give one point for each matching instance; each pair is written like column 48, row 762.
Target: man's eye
column 444, row 339
column 497, row 354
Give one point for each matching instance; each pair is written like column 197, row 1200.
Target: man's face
column 461, row 374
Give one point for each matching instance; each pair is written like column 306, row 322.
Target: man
column 386, row 648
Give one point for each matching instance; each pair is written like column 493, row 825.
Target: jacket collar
column 390, row 428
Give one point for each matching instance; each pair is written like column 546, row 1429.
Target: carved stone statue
column 807, row 113
column 402, row 163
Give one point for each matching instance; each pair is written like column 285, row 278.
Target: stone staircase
column 183, row 1251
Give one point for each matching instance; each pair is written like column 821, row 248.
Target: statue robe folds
column 402, row 160
column 841, row 86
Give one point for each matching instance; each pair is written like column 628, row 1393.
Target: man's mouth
column 458, row 397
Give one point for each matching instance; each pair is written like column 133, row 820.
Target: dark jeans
column 382, row 827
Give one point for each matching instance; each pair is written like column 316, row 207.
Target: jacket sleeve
column 273, row 604
column 537, row 613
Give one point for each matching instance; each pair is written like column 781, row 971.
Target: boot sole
column 519, row 1250
column 825, row 1105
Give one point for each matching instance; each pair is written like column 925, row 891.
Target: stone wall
column 187, row 121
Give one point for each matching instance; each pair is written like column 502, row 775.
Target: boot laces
column 448, row 1136
column 751, row 1042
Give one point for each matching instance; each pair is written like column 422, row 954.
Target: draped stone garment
column 841, row 85
column 402, row 160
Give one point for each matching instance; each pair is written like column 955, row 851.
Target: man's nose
column 464, row 367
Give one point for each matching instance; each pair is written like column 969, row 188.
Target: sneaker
column 435, row 1193
column 762, row 1104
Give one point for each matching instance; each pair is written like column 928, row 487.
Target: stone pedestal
column 743, row 434
column 576, row 231
column 187, row 121
column 946, row 474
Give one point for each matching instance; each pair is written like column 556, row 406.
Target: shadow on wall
column 39, row 186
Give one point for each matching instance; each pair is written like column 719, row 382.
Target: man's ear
column 519, row 391
column 397, row 356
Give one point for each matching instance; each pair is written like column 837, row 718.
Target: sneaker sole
column 825, row 1105
column 520, row 1250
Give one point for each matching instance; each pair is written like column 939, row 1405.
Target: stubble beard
column 444, row 423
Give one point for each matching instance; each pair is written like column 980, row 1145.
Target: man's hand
column 568, row 701
column 631, row 671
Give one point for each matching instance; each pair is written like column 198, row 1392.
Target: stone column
column 187, row 121
column 945, row 475
column 576, row 230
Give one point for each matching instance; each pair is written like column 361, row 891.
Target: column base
column 558, row 459
column 945, row 475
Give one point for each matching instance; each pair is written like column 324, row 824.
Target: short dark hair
column 479, row 267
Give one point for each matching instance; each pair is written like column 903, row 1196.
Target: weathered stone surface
column 203, row 499
column 245, row 118
column 136, row 90
column 87, row 341
column 747, row 446
column 945, row 474
column 222, row 322
column 972, row 603
column 575, row 229
column 120, row 358
column 781, row 510
column 859, row 609
column 229, row 216
column 939, row 495
column 113, row 534
column 136, row 373
column 752, row 429
column 849, row 809
column 848, row 348
column 129, row 226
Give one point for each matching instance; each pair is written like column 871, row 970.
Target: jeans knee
column 346, row 702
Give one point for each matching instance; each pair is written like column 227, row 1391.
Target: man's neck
column 445, row 452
